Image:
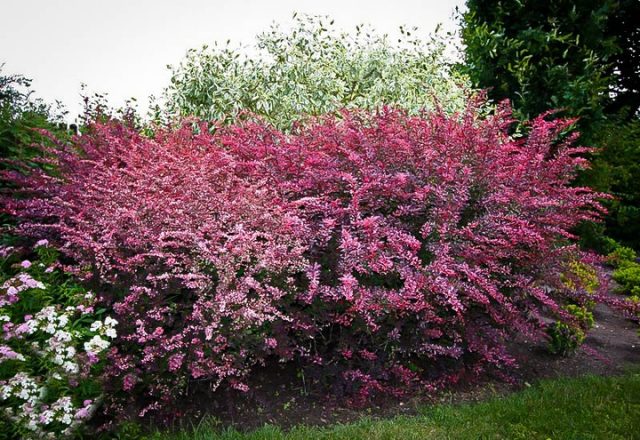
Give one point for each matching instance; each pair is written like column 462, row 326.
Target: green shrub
column 581, row 275
column 582, row 315
column 628, row 277
column 20, row 118
column 565, row 337
column 622, row 256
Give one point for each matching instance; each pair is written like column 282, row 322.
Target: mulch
column 279, row 397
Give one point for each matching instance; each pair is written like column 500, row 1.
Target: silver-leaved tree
column 314, row 69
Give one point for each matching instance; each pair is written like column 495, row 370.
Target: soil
column 280, row 397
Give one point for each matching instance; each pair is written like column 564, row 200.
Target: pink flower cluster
column 10, row 289
column 393, row 247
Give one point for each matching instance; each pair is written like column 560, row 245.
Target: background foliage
column 582, row 58
column 20, row 118
column 314, row 69
column 541, row 55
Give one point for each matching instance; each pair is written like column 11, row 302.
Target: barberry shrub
column 379, row 249
column 437, row 237
column 193, row 258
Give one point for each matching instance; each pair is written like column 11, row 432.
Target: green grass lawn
column 583, row 408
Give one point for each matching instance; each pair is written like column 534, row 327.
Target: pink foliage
column 389, row 246
column 192, row 258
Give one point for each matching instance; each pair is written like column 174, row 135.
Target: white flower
column 110, row 322
column 5, row 392
column 63, row 320
column 48, row 313
column 96, row 326
column 32, row 326
column 63, row 404
column 111, row 333
column 70, row 367
column 47, row 416
column 63, row 336
column 96, row 344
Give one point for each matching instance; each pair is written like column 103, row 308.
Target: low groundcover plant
column 379, row 249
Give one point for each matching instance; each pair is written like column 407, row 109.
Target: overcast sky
column 122, row 47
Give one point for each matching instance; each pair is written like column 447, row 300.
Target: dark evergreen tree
column 581, row 58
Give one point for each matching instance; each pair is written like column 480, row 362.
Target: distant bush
column 626, row 273
column 379, row 250
column 626, row 269
column 628, row 276
column 21, row 117
column 314, row 69
column 579, row 57
column 616, row 169
column 621, row 256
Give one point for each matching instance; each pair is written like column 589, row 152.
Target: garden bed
column 589, row 407
column 280, row 397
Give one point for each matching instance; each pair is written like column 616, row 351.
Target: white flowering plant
column 52, row 347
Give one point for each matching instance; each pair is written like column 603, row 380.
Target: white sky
column 122, row 47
